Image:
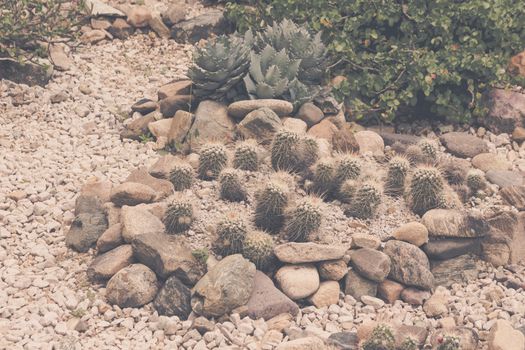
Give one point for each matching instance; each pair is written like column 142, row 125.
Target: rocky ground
column 54, row 140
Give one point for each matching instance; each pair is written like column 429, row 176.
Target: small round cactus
column 284, row 155
column 398, row 168
column 382, row 338
column 429, row 149
column 270, row 203
column 231, row 187
column 365, row 201
column 476, row 180
column 181, row 176
column 426, row 189
column 258, row 248
column 409, row 344
column 454, row 172
column 347, row 191
column 178, row 216
column 323, row 178
column 308, row 151
column 213, row 159
column 348, row 168
column 304, row 219
column 231, row 233
column 245, row 157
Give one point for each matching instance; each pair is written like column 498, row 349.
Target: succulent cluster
column 426, row 189
column 423, row 152
column 348, row 168
column 181, row 176
column 292, row 152
column 213, row 159
column 364, row 202
column 231, row 186
column 178, row 216
column 245, row 157
column 382, row 338
column 476, row 180
column 323, row 179
column 270, row 204
column 347, row 190
column 231, row 233
column 398, row 168
column 258, row 248
column 304, row 219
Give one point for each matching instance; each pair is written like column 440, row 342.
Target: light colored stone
column 180, row 126
column 111, row 238
column 308, row 343
column 323, row 130
column 371, row 264
column 104, row 266
column 298, row 281
column 369, row 142
column 295, row 253
column 133, row 286
column 240, row 109
column 372, row 301
column 490, row 161
column 260, row 124
column 295, row 125
column 503, row 336
column 365, row 240
column 326, row 295
column 161, row 127
column 139, row 16
column 389, row 290
column 136, row 221
column 412, row 232
column 310, row 114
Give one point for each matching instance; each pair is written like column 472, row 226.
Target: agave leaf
column 281, row 87
column 267, row 56
column 249, row 84
column 264, row 90
column 255, row 68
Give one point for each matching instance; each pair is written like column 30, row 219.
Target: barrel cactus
column 219, row 66
column 348, row 168
column 245, row 157
column 398, row 168
column 304, row 219
column 308, row 151
column 231, row 233
column 476, row 180
column 365, row 201
column 258, row 248
column 426, row 189
column 181, row 176
column 323, row 178
column 213, row 159
column 284, row 148
column 347, row 191
column 382, row 338
column 178, row 216
column 231, row 187
column 270, row 204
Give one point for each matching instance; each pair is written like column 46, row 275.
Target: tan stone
column 369, row 142
column 295, row 125
column 298, row 281
column 180, row 126
column 326, row 295
column 390, row 290
column 97, row 188
column 490, row 161
column 324, row 130
column 364, row 240
column 333, row 270
column 181, row 87
column 132, row 193
column 160, row 127
column 503, row 336
column 139, row 16
column 412, row 232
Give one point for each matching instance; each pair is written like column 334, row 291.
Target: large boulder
column 298, row 281
column 504, row 178
column 174, row 88
column 211, row 123
column 456, row 270
column 163, row 188
column 506, row 110
column 503, row 336
column 491, row 161
column 240, row 109
column 412, row 232
column 410, row 265
column 463, row 145
column 211, row 21
column 226, row 286
column 505, row 242
column 167, row 255
column 267, row 301
column 327, row 294
column 173, row 299
column 133, row 286
column 85, row 230
column 310, row 114
column 104, row 266
column 137, row 221
column 370, row 142
column 371, row 264
column 295, row 253
column 453, row 223
column 260, row 125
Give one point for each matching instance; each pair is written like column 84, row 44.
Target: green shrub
column 420, row 57
column 25, row 24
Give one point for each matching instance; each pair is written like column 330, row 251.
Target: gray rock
column 240, row 109
column 260, row 124
column 504, row 178
column 295, row 253
column 225, row 287
column 310, row 114
column 85, row 231
column 357, row 286
column 298, row 281
column 163, row 188
column 99, row 8
column 194, row 29
column 267, row 301
column 133, row 286
column 171, row 104
column 180, row 126
column 173, row 299
column 136, row 221
column 132, row 193
column 371, row 264
column 449, row 248
column 111, row 238
column 104, row 266
column 453, row 223
column 29, row 73
column 514, row 195
column 463, row 145
column 410, row 265
column 85, row 204
column 211, row 123
column 506, row 110
column 456, row 270
column 167, row 255
column 344, row 341
column 144, row 106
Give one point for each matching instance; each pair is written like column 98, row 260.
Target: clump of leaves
column 25, row 25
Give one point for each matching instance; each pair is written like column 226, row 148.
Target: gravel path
column 48, row 150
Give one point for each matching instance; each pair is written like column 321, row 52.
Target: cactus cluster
column 348, row 168
column 213, row 158
column 270, row 205
column 364, row 202
column 409, row 344
column 245, row 157
column 398, row 168
column 382, row 338
column 231, row 233
column 347, row 190
column 449, row 343
column 323, row 178
column 429, row 149
column 426, row 189
column 181, row 176
column 304, row 219
column 258, row 248
column 476, row 180
column 178, row 216
column 231, row 187
column 292, row 152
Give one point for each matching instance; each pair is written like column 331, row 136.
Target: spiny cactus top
column 365, row 200
column 213, row 159
column 476, row 180
column 429, row 148
column 231, row 233
column 284, row 153
column 304, row 219
column 426, row 188
column 220, row 65
column 258, row 248
column 178, row 216
column 271, row 202
column 232, row 188
column 348, row 168
column 246, row 157
column 181, row 176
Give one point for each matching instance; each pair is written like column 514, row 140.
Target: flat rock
column 412, row 232
column 332, row 270
column 111, row 238
column 371, row 264
column 104, row 266
column 503, row 336
column 144, row 106
column 211, row 123
column 326, row 295
column 298, row 281
column 85, row 230
column 226, row 286
column 490, row 161
column 456, row 270
column 449, row 248
column 260, row 124
column 308, row 343
column 29, row 73
column 192, row 30
column 370, row 142
column 453, row 223
column 410, row 265
column 463, row 145
column 415, row 296
column 132, row 193
column 295, row 253
column 167, row 255
column 137, row 221
column 357, row 286
column 266, row 301
column 514, row 195
column 175, row 88
column 163, row 188
column 240, row 109
column 133, row 286
column 504, row 178
column 163, row 166
column 173, row 299
column 365, row 240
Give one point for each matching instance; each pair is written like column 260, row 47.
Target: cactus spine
column 246, row 157
column 365, row 201
column 426, row 189
column 284, row 151
column 231, row 187
column 181, row 176
column 348, row 168
column 270, row 204
column 381, row 338
column 323, row 178
column 304, row 219
column 178, row 217
column 476, row 180
column 231, row 234
column 258, row 248
column 397, row 171
column 213, row 159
